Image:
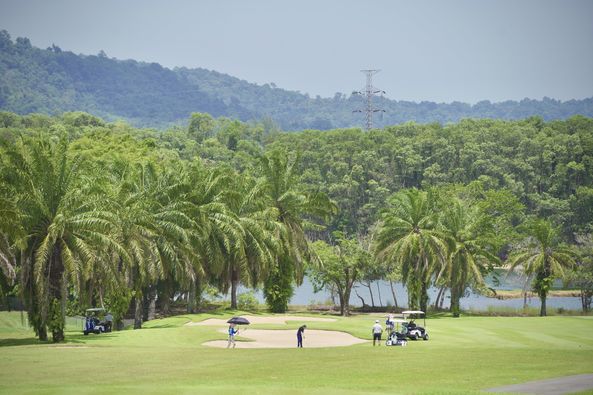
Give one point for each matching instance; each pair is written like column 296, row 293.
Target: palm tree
column 255, row 250
column 542, row 256
column 9, row 225
column 176, row 229
column 292, row 204
column 154, row 228
column 469, row 256
column 408, row 237
column 62, row 227
column 216, row 229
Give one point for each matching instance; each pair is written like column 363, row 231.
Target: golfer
column 300, row 336
column 232, row 333
column 389, row 324
column 377, row 331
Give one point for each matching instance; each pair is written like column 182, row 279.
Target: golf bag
column 396, row 339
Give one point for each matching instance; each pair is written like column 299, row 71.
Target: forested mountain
column 53, row 81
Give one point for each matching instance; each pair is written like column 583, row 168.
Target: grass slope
column 464, row 355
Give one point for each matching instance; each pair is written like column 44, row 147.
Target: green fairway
column 464, row 355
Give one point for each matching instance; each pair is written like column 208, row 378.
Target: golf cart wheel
column 414, row 337
column 425, row 337
column 85, row 333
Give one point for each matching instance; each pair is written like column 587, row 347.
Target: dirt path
column 560, row 385
column 265, row 338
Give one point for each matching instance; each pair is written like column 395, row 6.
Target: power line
column 368, row 94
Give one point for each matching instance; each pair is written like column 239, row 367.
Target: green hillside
column 53, row 81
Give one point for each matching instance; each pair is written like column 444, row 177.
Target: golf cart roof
column 398, row 320
column 95, row 309
column 412, row 312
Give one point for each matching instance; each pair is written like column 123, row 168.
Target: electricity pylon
column 368, row 94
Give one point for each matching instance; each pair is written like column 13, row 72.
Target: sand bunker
column 265, row 338
column 254, row 319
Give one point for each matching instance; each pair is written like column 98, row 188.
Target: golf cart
column 97, row 321
column 410, row 329
column 397, row 337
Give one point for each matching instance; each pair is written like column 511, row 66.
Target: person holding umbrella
column 233, row 322
column 232, row 332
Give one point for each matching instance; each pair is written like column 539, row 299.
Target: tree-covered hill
column 53, row 81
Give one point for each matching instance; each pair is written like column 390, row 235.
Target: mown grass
column 464, row 355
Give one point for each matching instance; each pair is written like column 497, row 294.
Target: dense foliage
column 52, row 81
column 90, row 208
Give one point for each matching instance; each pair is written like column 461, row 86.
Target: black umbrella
column 238, row 321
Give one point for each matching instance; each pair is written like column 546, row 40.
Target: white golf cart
column 410, row 329
column 97, row 321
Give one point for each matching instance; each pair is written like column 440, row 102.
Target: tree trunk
column 30, row 296
column 346, row 302
column 91, row 289
column 586, row 297
column 525, row 285
column 424, row 297
column 412, row 287
column 542, row 312
column 165, row 299
column 55, row 271
column 151, row 303
column 379, row 293
column 333, row 295
column 342, row 308
column 393, row 294
column 191, row 297
column 145, row 304
column 198, row 296
column 138, row 310
column 438, row 298
column 455, row 301
column 234, row 286
column 368, row 285
column 360, row 297
column 442, row 300
column 42, row 332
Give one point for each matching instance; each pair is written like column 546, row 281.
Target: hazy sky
column 465, row 50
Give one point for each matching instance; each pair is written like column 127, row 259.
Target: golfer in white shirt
column 377, row 331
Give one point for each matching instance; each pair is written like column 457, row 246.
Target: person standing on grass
column 108, row 322
column 377, row 331
column 389, row 324
column 232, row 333
column 300, row 336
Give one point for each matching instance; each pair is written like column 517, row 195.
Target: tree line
column 105, row 213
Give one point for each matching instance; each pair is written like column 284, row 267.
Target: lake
column 305, row 295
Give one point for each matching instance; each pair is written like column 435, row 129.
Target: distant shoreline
column 517, row 294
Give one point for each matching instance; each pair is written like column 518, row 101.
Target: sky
column 443, row 51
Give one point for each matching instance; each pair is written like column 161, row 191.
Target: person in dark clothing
column 300, row 335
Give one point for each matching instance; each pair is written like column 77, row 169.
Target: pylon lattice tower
column 368, row 94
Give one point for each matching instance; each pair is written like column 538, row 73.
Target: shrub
column 247, row 301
